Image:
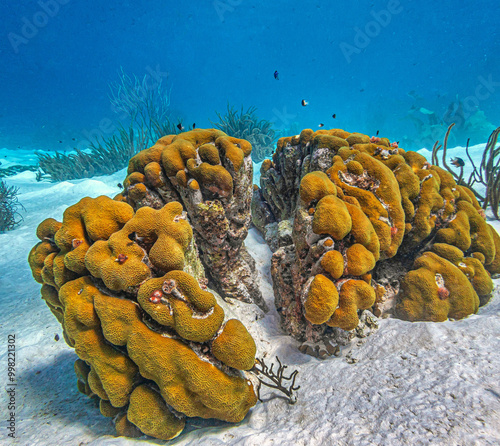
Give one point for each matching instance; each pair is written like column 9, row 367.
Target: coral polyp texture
column 153, row 343
column 211, row 174
column 372, row 227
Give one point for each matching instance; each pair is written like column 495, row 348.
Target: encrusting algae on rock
column 152, row 343
column 374, row 227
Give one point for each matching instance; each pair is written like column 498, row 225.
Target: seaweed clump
column 144, row 109
column 486, row 175
column 105, row 157
column 246, row 125
column 14, row 170
column 9, row 204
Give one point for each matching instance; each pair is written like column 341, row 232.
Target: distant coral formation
column 152, row 341
column 359, row 223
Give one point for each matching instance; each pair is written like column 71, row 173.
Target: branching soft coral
column 9, row 214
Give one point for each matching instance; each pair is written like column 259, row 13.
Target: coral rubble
column 129, row 292
column 374, row 227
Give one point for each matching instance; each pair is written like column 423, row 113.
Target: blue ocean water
column 402, row 67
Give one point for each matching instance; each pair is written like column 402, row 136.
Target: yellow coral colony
column 211, row 174
column 152, row 344
column 366, row 208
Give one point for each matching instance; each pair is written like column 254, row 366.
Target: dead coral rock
column 279, row 234
column 261, row 212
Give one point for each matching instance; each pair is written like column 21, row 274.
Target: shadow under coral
column 50, row 396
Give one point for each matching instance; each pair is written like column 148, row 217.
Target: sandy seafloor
column 412, row 384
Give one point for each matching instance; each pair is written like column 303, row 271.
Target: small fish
column 74, row 139
column 276, row 75
column 56, row 337
column 321, row 125
column 304, row 103
column 457, row 162
column 60, row 142
column 180, row 127
column 334, row 115
column 425, row 111
column 120, row 185
column 377, row 133
column 194, row 125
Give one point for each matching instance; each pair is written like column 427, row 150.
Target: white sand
column 414, row 383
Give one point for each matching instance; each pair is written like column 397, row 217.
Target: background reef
column 402, row 78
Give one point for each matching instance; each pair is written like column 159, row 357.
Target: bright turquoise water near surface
column 394, row 66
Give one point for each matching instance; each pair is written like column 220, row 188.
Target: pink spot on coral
column 443, row 293
column 121, row 259
column 156, row 296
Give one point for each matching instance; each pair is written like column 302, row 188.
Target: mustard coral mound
column 152, row 343
column 211, row 174
column 374, row 227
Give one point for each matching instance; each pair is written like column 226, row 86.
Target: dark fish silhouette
column 120, row 185
column 321, row 125
column 455, row 114
column 304, row 103
column 276, row 75
column 194, row 125
column 377, row 133
column 457, row 162
column 180, row 127
column 334, row 115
